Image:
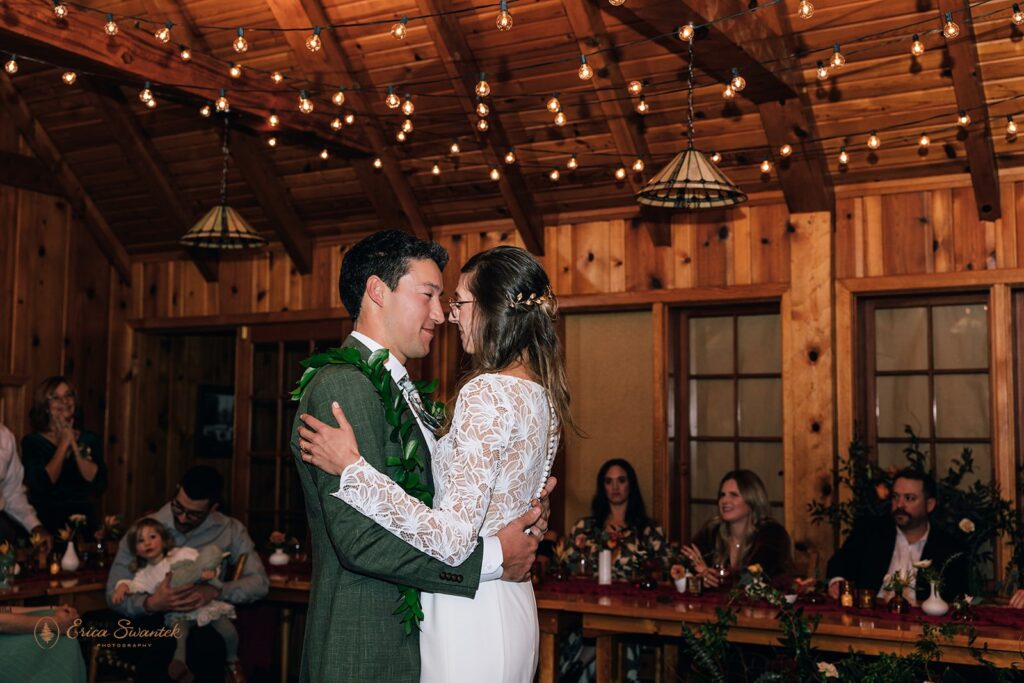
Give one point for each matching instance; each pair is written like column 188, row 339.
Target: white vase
column 935, row 605
column 278, row 558
column 70, row 562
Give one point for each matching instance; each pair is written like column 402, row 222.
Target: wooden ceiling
column 151, row 172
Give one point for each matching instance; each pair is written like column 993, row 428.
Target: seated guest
column 22, row 656
column 742, row 533
column 192, row 521
column 878, row 547
column 13, row 500
column 64, row 466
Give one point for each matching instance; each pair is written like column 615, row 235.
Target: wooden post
column 1000, row 325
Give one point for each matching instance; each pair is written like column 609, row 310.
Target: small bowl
column 790, row 597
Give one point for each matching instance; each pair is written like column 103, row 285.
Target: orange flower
column 677, row 571
column 882, row 491
column 581, row 541
column 277, row 537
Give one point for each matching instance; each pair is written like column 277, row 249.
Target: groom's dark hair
column 387, row 255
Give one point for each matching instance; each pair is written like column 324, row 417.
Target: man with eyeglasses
column 193, row 520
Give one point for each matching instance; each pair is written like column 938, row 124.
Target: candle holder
column 865, row 598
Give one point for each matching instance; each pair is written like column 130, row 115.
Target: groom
column 391, row 285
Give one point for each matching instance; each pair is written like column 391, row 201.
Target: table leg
column 286, row 627
column 607, row 669
column 546, row 670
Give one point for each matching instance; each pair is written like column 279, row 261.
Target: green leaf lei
column 400, row 418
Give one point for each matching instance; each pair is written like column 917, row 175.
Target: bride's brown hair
column 515, row 321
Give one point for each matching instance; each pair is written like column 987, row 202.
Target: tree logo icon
column 47, row 632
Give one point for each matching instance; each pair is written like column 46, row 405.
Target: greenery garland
column 403, row 425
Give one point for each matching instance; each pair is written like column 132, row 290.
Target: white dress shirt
column 13, row 500
column 490, row 568
column 904, row 555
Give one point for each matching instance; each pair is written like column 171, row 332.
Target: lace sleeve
column 480, row 431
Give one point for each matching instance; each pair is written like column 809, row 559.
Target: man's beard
column 904, row 520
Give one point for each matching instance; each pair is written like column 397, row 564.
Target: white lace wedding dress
column 489, row 466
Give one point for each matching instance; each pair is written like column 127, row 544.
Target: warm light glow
column 572, row 164
column 585, row 72
column 917, row 47
column 924, row 140
column 504, row 20
column 392, row 100
column 205, row 111
column 805, row 10
column 738, row 83
column 964, row 119
column 110, row 28
column 274, row 120
column 163, row 34
column 272, row 142
column 686, row 33
column 616, row 3
column 638, row 165
column 620, row 173
column 69, row 77
column 1011, row 126
column 339, row 98
column 950, row 30
column 728, row 93
column 785, row 150
column 766, row 166
column 336, row 124
column 873, row 141
column 277, row 77
column 349, row 118
column 11, row 66
column 837, row 57
column 435, row 169
column 1017, row 17
column 482, row 109
column 185, row 54
column 400, row 136
column 151, row 104
column 240, row 43
column 494, row 174
column 560, row 119
column 822, row 71
column 483, row 88
column 635, row 88
column 716, row 157
column 313, row 43
column 377, row 163
column 642, row 107
column 510, row 157
column 844, row 158
column 60, row 10
column 324, row 154
column 554, row 105
column 222, row 103
column 305, row 104
column 482, row 125
column 407, row 106
column 555, row 174
column 407, row 125
column 399, row 29
column 146, row 94
column 236, row 71
column 455, row 149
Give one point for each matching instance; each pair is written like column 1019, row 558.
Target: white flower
column 828, row 669
column 966, row 526
column 922, row 564
column 968, row 599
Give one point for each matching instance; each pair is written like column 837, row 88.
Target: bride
column 492, row 461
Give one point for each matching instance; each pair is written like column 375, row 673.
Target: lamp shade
column 222, row 228
column 689, row 182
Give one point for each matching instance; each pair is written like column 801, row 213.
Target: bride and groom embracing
column 377, row 541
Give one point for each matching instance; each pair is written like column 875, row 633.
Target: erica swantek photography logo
column 125, row 634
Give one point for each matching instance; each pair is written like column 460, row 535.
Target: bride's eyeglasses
column 455, row 305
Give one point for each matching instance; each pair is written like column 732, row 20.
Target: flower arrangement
column 277, row 540
column 899, row 580
column 110, row 530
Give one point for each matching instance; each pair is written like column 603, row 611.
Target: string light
column 163, row 34
column 222, row 103
column 638, row 165
column 620, row 173
column 145, row 94
column 349, row 118
column 738, row 83
column 336, row 124
column 785, row 150
column 435, row 169
column 641, row 106
column 560, row 119
column 553, row 104
column 686, row 32
column 728, row 93
column 715, row 157
column 324, row 154
column 277, row 77
column 1017, row 17
column 110, row 28
column 400, row 136
column 555, row 174
column 454, row 149
column 963, row 119
column 235, row 71
column 407, row 106
column 305, row 104
column 616, row 3
column 917, row 47
column 510, row 156
column 392, row 100
column 339, row 98
column 399, row 29
column 504, row 20
column 494, row 174
column 572, row 164
column 635, row 88
column 822, row 71
column 274, row 120
column 950, row 30
column 60, row 10
column 151, row 104
column 272, row 141
column 185, row 53
column 205, row 111
column 805, row 10
column 844, row 158
column 874, row 142
column 240, row 43
column 407, row 126
column 69, row 77
column 313, row 43
column 482, row 109
column 924, row 141
column 482, row 125
column 378, row 164
column 585, row 72
column 766, row 166
column 1011, row 127
column 838, row 59
column 11, row 66
column 483, row 88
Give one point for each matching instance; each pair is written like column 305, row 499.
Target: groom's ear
column 375, row 289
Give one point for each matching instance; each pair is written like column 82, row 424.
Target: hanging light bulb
column 185, row 53
column 785, row 150
column 805, row 10
column 494, row 174
column 399, row 29
column 273, row 120
column 504, row 20
column 844, row 158
column 324, row 154
column 305, row 104
column 11, row 66
column 924, row 141
column 483, row 88
column 272, row 141
column 1017, row 16
column 482, row 125
column 482, row 109
column 336, row 124
column 222, row 103
column 392, row 100
column 313, row 43
column 686, row 32
column 435, row 169
column 407, row 125
column 738, row 83
column 349, row 118
column 616, row 3
column 950, row 30
column 378, row 164
column 69, row 77
column 145, row 94
column 205, row 111
column 641, row 106
column 638, row 165
column 407, row 106
column 715, row 157
column 510, row 156
column 585, row 72
column 1011, row 127
column 555, row 174
column 151, row 104
column 400, row 136
column 874, row 142
column 917, row 47
column 454, row 149
column 60, row 10
column 728, row 93
column 837, row 57
column 235, row 71
column 240, row 43
column 766, row 166
column 620, row 173
column 163, row 34
column 572, row 164
column 553, row 104
column 560, row 119
column 635, row 88
column 110, row 28
column 822, row 71
column 963, row 119
column 339, row 98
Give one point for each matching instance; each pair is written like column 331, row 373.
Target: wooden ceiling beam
column 81, row 203
column 462, row 69
column 142, row 156
column 134, row 55
column 393, row 200
column 970, row 97
column 27, row 173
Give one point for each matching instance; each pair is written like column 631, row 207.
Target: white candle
column 604, row 567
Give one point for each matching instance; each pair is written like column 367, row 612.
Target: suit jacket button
column 458, row 578
column 442, row 576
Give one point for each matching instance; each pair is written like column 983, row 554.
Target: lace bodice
column 486, row 470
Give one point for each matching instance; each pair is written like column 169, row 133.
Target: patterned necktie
column 412, row 397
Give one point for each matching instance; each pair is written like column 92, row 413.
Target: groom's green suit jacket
column 351, row 633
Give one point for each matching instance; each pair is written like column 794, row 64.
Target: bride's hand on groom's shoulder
column 332, row 449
